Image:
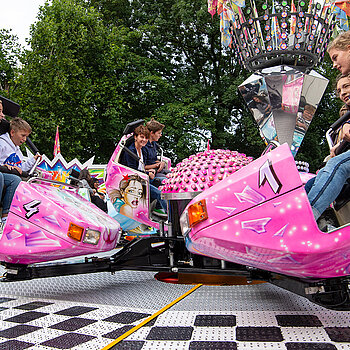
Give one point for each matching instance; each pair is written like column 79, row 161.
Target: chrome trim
column 161, row 153
column 185, row 234
column 37, row 161
column 329, row 139
column 40, row 179
column 180, row 195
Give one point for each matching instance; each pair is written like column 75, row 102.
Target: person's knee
column 16, row 181
column 344, row 168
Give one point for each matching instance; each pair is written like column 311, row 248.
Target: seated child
column 12, row 157
column 141, row 136
column 10, row 152
column 87, row 181
column 150, row 150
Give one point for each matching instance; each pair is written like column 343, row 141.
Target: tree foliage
column 70, row 78
column 95, row 65
column 10, row 52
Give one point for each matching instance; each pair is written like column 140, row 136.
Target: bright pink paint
column 260, row 216
column 37, row 225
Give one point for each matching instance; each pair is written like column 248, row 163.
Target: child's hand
column 38, row 156
column 151, row 174
column 161, row 166
column 10, row 167
column 332, row 150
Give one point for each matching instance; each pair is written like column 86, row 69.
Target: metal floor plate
column 90, row 311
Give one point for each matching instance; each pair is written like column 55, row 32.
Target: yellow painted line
column 132, row 330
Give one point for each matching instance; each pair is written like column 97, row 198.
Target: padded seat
column 343, row 198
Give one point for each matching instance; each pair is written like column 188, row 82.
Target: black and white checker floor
column 90, row 311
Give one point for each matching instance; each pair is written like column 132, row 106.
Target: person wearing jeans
column 11, row 182
column 331, row 179
column 8, row 182
column 329, row 183
column 141, row 136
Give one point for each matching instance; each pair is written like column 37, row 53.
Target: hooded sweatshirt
column 12, row 155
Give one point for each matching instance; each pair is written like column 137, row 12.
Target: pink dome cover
column 202, row 170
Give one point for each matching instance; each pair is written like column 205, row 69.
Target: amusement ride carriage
column 229, row 215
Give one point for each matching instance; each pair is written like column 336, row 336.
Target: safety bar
column 31, row 171
column 340, row 121
column 40, row 179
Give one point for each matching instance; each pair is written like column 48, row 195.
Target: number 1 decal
column 267, row 173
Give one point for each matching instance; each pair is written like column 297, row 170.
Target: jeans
column 329, row 183
column 156, row 194
column 309, row 184
column 11, row 183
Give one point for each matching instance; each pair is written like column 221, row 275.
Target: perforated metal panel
column 90, row 311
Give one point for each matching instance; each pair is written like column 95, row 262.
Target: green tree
column 95, row 65
column 10, row 51
column 194, row 90
column 70, row 78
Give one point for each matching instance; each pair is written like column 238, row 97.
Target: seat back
column 342, row 205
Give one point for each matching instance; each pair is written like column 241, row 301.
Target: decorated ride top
column 282, row 32
column 201, row 171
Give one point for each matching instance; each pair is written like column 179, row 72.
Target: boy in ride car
column 10, row 152
column 150, row 150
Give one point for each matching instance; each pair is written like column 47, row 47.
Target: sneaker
column 327, row 221
column 159, row 214
column 331, row 228
column 326, row 227
column 159, row 211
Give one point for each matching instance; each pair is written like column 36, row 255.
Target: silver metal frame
column 40, row 179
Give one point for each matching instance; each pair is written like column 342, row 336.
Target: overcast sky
column 18, row 15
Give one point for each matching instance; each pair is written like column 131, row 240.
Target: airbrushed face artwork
column 132, row 193
column 129, row 198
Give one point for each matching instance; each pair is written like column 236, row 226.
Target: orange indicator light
column 197, row 212
column 75, row 231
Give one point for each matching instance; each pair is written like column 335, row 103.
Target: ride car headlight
column 91, row 236
column 185, row 227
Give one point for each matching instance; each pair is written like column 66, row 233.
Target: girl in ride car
column 331, row 179
column 141, row 137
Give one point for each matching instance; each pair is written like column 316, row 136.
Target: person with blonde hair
column 10, row 152
column 331, row 178
column 339, row 52
column 8, row 181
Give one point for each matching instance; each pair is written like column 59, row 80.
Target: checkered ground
column 27, row 323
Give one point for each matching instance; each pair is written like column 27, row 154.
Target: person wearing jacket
column 10, row 142
column 12, row 157
column 141, row 137
column 330, row 180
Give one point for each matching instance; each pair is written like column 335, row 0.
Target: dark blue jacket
column 150, row 153
column 130, row 161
